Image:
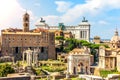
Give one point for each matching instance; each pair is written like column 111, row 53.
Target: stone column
column 113, row 60
column 84, row 34
column 36, row 59
column 13, row 60
column 23, row 57
column 33, row 58
column 29, row 59
column 110, row 63
column 26, row 58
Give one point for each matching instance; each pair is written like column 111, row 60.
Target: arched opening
column 86, row 70
column 16, row 49
column 74, row 70
column 42, row 49
column 80, row 68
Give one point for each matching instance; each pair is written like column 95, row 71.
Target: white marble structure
column 31, row 56
column 81, row 31
column 79, row 61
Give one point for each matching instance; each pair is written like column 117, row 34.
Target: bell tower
column 26, row 22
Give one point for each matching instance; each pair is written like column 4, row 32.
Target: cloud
column 52, row 19
column 11, row 13
column 63, row 6
column 102, row 22
column 89, row 8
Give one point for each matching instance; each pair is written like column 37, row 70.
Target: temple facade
column 15, row 41
column 81, row 31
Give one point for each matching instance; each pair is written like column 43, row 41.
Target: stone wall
column 16, row 78
column 6, row 59
column 51, row 48
column 14, row 43
column 118, row 62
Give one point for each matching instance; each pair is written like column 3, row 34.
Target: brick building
column 15, row 41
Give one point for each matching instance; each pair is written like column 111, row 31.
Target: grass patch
column 54, row 68
column 104, row 73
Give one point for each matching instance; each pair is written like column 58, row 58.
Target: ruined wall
column 16, row 78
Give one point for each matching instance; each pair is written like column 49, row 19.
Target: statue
column 61, row 26
column 84, row 20
column 42, row 20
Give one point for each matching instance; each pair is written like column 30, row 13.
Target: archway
column 74, row 70
column 80, row 68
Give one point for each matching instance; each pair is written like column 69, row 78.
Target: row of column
column 83, row 34
column 31, row 57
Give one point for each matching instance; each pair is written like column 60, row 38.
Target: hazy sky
column 103, row 15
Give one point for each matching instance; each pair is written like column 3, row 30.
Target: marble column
column 13, row 59
column 23, row 57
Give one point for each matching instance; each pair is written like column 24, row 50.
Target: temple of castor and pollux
column 15, row 41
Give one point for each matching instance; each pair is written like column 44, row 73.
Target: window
column 26, row 24
column 56, row 34
column 26, row 19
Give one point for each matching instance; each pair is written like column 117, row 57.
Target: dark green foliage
column 6, row 69
column 94, row 46
column 66, row 49
column 59, row 38
column 74, row 43
column 71, row 43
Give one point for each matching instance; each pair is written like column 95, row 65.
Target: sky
column 103, row 15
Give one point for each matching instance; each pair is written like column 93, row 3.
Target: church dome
column 116, row 37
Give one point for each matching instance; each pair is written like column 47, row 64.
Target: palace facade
column 15, row 41
column 81, row 31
